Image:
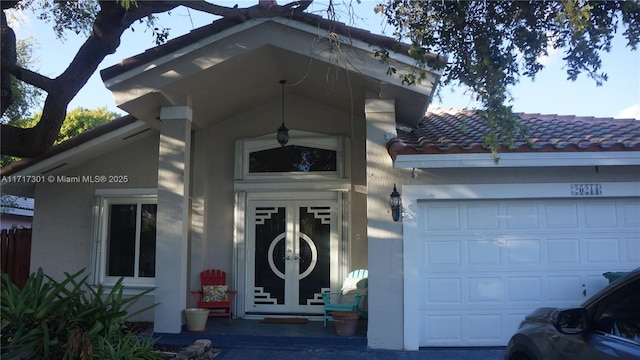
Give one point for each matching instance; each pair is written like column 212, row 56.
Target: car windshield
column 619, row 313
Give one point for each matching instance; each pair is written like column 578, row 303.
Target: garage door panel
column 563, row 251
column 564, row 289
column 524, row 289
column 443, row 253
column 524, row 215
column 485, row 290
column 630, row 215
column 445, row 217
column 523, row 251
column 486, row 264
column 443, row 329
column 484, row 328
column 481, row 328
column 482, row 217
column 631, row 250
column 602, row 250
column 483, row 252
column 600, row 214
column 561, row 215
column 443, row 291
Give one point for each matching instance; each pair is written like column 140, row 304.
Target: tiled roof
column 448, row 131
column 17, row 202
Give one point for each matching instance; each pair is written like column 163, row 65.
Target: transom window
column 306, row 156
column 127, row 239
column 293, row 158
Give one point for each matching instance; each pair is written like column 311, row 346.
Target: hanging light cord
column 283, row 82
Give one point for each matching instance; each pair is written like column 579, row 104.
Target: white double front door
column 292, row 246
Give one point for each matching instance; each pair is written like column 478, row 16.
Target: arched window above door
column 306, row 156
column 293, row 158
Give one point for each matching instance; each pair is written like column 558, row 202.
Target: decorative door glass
column 292, row 243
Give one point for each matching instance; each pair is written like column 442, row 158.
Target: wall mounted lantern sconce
column 396, row 203
column 283, row 132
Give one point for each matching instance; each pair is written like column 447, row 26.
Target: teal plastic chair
column 354, row 289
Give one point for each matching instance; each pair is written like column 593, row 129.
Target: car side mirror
column 570, row 321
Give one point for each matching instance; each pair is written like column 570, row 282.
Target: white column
column 172, row 227
column 385, row 330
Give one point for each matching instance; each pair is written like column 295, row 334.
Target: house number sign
column 586, row 189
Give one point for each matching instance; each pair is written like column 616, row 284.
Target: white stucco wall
column 384, row 235
column 216, row 166
column 62, row 225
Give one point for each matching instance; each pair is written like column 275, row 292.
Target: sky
column 549, row 93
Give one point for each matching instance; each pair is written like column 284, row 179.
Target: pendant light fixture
column 283, row 132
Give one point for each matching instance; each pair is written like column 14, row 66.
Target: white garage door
column 485, row 264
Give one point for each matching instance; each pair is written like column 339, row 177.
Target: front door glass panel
column 269, row 260
column 315, row 233
column 294, row 242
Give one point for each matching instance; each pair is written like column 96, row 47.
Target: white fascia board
column 18, row 212
column 546, row 159
column 415, row 193
column 83, row 148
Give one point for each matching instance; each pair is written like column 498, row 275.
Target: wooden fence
column 15, row 254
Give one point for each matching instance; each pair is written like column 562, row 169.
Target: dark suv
column 607, row 326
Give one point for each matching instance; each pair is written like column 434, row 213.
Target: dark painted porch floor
column 243, row 333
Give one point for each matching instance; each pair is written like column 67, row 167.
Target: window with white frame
column 126, row 239
column 306, row 156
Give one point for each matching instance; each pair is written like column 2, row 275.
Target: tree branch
column 111, row 21
column 30, row 77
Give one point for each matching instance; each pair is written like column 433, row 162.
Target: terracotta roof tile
column 446, row 131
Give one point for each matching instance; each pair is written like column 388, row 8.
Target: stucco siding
column 63, row 221
column 385, row 327
column 217, row 181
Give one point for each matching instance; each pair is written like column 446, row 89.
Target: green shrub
column 66, row 320
column 125, row 346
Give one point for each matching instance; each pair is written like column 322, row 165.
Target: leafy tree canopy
column 491, row 44
column 77, row 121
column 25, row 97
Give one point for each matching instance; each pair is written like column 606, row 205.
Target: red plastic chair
column 214, row 293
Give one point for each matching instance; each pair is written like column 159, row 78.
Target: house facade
column 194, row 178
column 16, row 213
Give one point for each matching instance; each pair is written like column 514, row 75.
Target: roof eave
column 94, row 141
column 519, row 160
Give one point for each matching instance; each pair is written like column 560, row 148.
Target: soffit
column 229, row 73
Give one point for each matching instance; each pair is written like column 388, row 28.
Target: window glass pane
column 147, row 265
column 269, row 254
column 292, row 158
column 315, row 231
column 121, row 240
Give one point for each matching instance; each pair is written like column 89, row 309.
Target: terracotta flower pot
column 346, row 322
